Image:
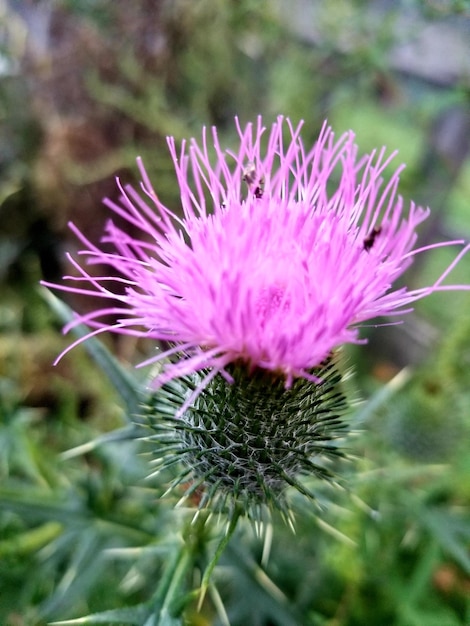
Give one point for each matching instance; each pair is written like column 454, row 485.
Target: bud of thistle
column 245, row 441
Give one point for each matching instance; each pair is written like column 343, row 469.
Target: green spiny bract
column 242, row 443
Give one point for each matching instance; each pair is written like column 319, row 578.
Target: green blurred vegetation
column 87, row 86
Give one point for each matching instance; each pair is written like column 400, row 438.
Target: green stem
column 171, row 588
column 176, row 585
column 218, row 553
column 171, row 595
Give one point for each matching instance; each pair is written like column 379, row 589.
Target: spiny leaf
column 134, row 616
column 126, row 385
column 451, row 532
column 131, row 431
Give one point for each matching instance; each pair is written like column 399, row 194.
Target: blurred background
column 88, row 85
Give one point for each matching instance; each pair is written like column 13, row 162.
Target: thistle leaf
column 127, row 386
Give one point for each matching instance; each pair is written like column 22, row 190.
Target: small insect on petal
column 253, row 180
column 371, row 237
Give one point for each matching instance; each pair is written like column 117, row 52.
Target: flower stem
column 218, row 553
column 169, row 594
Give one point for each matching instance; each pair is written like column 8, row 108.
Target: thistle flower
column 278, row 260
column 278, row 256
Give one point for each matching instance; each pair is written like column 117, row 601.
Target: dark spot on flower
column 255, row 183
column 371, row 237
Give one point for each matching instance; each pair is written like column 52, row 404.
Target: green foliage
column 98, row 526
column 84, row 531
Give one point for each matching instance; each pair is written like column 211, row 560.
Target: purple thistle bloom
column 280, row 256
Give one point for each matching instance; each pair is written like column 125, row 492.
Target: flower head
column 277, row 256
